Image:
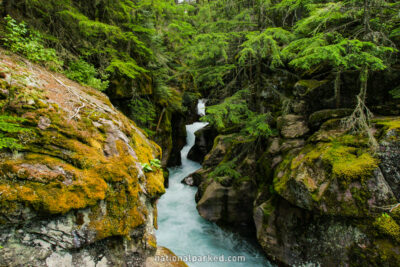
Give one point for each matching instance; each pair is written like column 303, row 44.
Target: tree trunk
column 7, row 7
column 337, row 88
column 364, row 84
column 160, row 119
column 367, row 28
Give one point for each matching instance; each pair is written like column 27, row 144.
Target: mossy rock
column 340, row 177
column 81, row 153
column 317, row 118
column 306, row 87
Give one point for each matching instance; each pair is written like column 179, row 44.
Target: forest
column 303, row 113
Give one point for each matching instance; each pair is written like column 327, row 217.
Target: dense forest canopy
column 152, row 56
column 303, row 104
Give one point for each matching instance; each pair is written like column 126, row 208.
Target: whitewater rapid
column 186, row 233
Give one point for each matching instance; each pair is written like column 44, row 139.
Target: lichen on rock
column 79, row 172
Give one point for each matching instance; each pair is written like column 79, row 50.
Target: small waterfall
column 185, row 232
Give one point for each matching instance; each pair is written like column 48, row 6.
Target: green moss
column 386, row 225
column 347, row 162
column 380, row 253
column 64, row 167
column 282, row 173
column 389, row 124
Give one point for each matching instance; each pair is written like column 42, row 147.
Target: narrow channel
column 185, row 232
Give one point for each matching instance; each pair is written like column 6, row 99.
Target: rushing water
column 185, row 232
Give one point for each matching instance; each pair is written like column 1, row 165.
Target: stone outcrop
column 203, row 143
column 334, row 201
column 227, row 205
column 323, row 197
column 292, row 126
column 76, row 193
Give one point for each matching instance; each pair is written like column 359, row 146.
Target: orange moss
column 64, row 167
column 155, row 183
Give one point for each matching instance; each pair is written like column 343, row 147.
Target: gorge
column 186, row 233
column 109, row 156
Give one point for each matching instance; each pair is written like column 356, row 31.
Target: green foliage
column 209, row 59
column 19, row 39
column 257, row 126
column 143, row 112
column 225, row 169
column 335, row 51
column 85, row 73
column 265, row 45
column 146, row 167
column 155, row 163
column 233, row 113
column 126, row 66
column 230, row 114
column 395, row 92
column 9, row 127
column 321, row 16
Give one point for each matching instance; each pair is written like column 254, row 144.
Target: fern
column 265, row 45
column 257, row 126
column 230, row 114
column 19, row 39
column 395, row 92
column 225, row 169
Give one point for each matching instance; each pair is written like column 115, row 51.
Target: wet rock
column 218, row 151
column 295, row 237
column 292, row 126
column 178, row 136
column 203, row 144
column 194, row 179
column 227, row 205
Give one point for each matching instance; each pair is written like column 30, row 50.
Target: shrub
column 85, row 73
column 19, row 39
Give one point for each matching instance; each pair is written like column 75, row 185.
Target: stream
column 186, row 233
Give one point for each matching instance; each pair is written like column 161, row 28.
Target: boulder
column 317, row 118
column 75, row 194
column 218, row 151
column 292, row 126
column 203, row 143
column 196, row 178
column 334, row 178
column 227, row 205
column 389, row 153
column 296, row 237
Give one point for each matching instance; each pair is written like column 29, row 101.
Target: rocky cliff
column 75, row 193
column 315, row 192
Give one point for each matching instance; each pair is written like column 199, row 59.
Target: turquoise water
column 186, row 233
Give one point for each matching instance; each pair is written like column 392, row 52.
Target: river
column 186, row 233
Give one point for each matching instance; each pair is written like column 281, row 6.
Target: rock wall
column 315, row 192
column 76, row 193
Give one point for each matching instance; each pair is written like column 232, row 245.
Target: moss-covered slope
column 79, row 168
